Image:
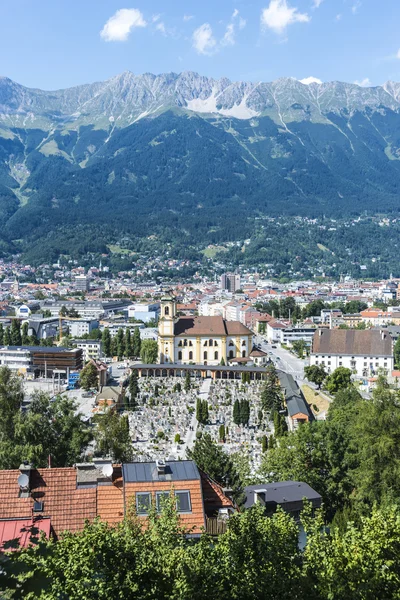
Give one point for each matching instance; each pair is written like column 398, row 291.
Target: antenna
column 107, row 470
column 23, row 481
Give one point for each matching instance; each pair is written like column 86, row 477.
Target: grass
column 318, row 402
column 211, row 252
column 114, row 249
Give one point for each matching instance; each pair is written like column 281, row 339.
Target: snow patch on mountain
column 309, row 80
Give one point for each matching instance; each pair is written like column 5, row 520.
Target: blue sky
column 52, row 44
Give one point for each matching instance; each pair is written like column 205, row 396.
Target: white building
column 144, row 312
column 90, row 348
column 294, row 334
column 274, row 329
column 364, row 352
column 80, row 327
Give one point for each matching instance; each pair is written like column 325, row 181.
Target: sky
column 52, row 44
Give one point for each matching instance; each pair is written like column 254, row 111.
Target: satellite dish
column 23, row 480
column 107, row 470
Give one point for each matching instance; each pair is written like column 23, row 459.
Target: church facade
column 200, row 340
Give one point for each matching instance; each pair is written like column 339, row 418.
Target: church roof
column 209, row 326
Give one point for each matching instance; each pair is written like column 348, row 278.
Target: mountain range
column 190, row 157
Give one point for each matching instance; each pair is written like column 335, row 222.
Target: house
column 293, row 334
column 274, row 329
column 297, row 407
column 80, row 327
column 63, row 499
column 103, row 371
column 364, row 352
column 289, row 495
column 259, row 357
column 200, row 340
column 90, row 348
column 109, row 398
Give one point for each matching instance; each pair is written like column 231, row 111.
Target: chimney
column 160, row 464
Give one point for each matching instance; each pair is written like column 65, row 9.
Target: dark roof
column 44, row 349
column 209, row 326
column 371, row 342
column 295, row 401
column 179, row 470
column 283, row 492
column 167, row 366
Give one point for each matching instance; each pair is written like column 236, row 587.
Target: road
column 283, row 359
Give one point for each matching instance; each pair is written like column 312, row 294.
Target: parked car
column 273, row 346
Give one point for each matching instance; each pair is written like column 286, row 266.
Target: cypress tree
column 264, row 443
column 222, row 433
column 236, row 412
column 128, row 344
column 1, row 334
column 244, row 412
column 106, row 341
column 187, row 385
column 137, row 343
column 7, row 337
column 120, row 343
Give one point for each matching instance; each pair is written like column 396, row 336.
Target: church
column 200, row 340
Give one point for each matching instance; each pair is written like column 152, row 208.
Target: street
column 283, row 359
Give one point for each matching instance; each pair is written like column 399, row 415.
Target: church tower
column 166, row 329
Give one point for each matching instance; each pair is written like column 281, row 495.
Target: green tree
column 106, row 342
column 120, row 343
column 25, row 336
column 128, row 352
column 177, row 438
column 316, row 374
column 7, row 336
column 187, row 384
column 1, row 334
column 300, row 347
column 204, row 412
column 133, row 389
column 338, row 380
column 264, row 443
column 136, row 344
column 244, row 412
column 15, row 333
column 149, row 352
column 271, row 395
column 236, row 412
column 88, row 377
column 221, row 433
column 113, row 438
column 396, row 353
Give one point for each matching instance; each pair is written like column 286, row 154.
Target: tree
column 113, row 438
column 221, row 433
column 149, row 352
column 244, row 412
column 204, row 412
column 187, row 384
column 106, row 342
column 212, row 459
column 25, row 336
column 63, row 311
column 236, row 412
column 1, row 334
column 136, row 344
column 133, row 389
column 128, row 352
column 120, row 343
column 396, row 353
column 338, row 380
column 7, row 337
column 15, row 333
column 264, row 443
column 88, row 377
column 299, row 346
column 316, row 374
column 271, row 395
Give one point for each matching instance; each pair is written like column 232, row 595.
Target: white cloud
column 155, row 18
column 119, row 26
column 242, row 23
column 364, row 82
column 161, row 27
column 235, row 13
column 356, row 6
column 229, row 37
column 188, row 17
column 338, row 17
column 317, row 3
column 309, row 80
column 279, row 15
column 398, row 54
column 203, row 40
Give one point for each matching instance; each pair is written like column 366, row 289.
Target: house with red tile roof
column 63, row 499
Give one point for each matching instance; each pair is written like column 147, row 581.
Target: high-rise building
column 82, row 283
column 230, row 282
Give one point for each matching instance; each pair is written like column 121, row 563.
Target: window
column 340, row 363
column 365, row 364
column 205, row 355
column 179, row 355
column 185, row 343
column 166, row 311
column 210, row 342
column 205, row 343
column 243, row 343
column 244, row 354
column 329, row 362
column 190, row 343
column 215, row 355
column 143, row 503
column 215, row 343
column 183, row 501
column 231, row 343
column 230, row 353
column 161, row 497
column 190, row 355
